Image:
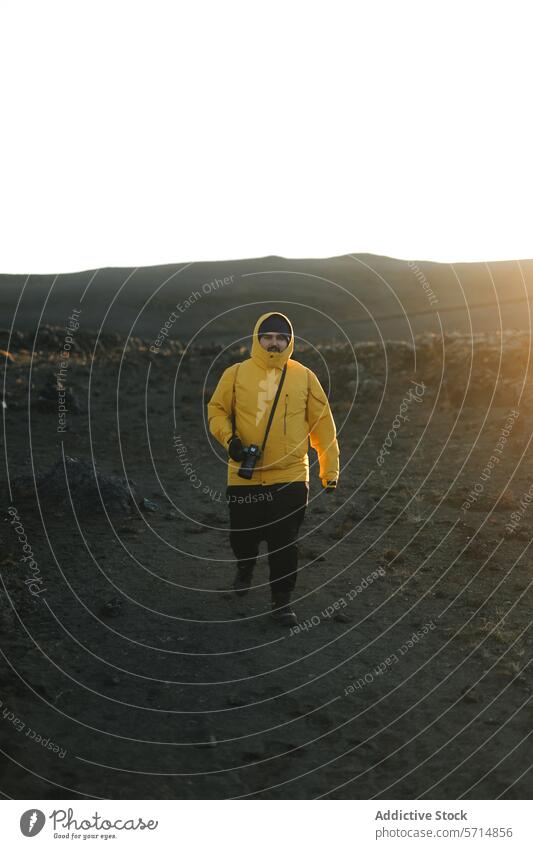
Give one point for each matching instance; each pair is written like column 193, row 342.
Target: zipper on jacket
column 285, row 416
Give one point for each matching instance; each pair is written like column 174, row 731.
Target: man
column 271, row 505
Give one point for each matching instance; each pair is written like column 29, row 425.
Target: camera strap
column 272, row 411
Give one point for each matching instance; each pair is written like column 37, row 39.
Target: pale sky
column 159, row 132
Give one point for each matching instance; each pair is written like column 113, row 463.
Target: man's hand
column 235, row 449
column 331, row 486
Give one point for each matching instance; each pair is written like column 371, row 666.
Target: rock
column 469, row 698
column 391, row 554
column 89, row 491
column 48, row 398
column 340, row 617
column 148, row 506
column 252, row 755
column 111, row 608
column 289, row 748
column 361, row 505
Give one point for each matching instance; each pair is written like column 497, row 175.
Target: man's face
column 273, row 341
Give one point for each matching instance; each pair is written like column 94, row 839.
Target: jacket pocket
column 295, row 429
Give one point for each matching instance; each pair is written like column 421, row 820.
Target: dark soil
column 153, row 680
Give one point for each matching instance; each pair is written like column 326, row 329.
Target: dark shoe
column 282, row 611
column 242, row 582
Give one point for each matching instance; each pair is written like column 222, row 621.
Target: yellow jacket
column 303, row 413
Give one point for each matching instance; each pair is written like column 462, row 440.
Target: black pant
column 273, row 513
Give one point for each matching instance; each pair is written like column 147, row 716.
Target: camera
column 251, row 455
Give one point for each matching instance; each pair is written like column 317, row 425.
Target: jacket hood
column 271, row 359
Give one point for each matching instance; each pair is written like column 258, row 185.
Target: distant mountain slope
column 326, row 298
